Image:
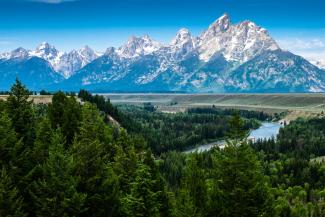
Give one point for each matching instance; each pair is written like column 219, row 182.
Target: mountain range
column 226, row 57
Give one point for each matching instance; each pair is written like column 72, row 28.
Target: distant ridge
column 226, row 57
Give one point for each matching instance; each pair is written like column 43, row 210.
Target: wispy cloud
column 52, row 1
column 302, row 44
column 313, row 49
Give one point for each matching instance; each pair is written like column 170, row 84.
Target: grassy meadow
column 295, row 105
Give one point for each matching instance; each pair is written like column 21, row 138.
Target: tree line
column 67, row 159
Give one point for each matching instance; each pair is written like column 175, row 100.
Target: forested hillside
column 68, row 159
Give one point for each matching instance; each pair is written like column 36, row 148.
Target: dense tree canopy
column 68, row 159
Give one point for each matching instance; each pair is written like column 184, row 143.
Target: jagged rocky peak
column 110, row 51
column 215, row 30
column 255, row 37
column 68, row 63
column 222, row 24
column 182, row 36
column 225, row 57
column 19, row 53
column 182, row 44
column 238, row 43
column 249, row 27
column 45, row 46
column 138, row 46
column 88, row 54
column 45, row 49
column 86, row 50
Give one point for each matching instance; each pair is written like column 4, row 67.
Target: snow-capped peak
column 19, row 53
column 182, row 44
column 45, row 46
column 64, row 63
column 45, row 51
column 71, row 62
column 182, row 36
column 87, row 54
column 110, row 51
column 221, row 24
column 86, row 50
column 138, row 46
column 238, row 43
column 5, row 55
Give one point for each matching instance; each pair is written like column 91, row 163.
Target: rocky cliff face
column 226, row 57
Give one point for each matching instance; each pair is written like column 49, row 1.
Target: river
column 266, row 131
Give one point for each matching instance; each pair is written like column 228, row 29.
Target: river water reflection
column 266, row 131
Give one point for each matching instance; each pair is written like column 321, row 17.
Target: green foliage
column 125, row 160
column 297, row 181
column 43, row 139
column 147, row 194
column 244, row 190
column 194, row 186
column 172, row 167
column 65, row 112
column 44, row 92
column 56, row 109
column 149, row 107
column 2, row 105
column 58, row 174
column 97, row 178
column 71, row 119
column 166, row 132
column 67, row 159
column 262, row 116
column 142, row 200
column 101, row 102
column 8, row 140
column 11, row 203
column 20, row 111
column 236, row 128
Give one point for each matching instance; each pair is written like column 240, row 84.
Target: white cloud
column 52, row 1
column 313, row 49
column 317, row 61
column 293, row 44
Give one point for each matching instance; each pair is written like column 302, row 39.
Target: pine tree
column 142, row 200
column 42, row 142
column 65, row 113
column 240, row 182
column 55, row 193
column 8, row 140
column 2, row 105
column 97, row 177
column 11, row 204
column 165, row 199
column 93, row 126
column 71, row 119
column 236, row 130
column 185, row 204
column 57, row 108
column 194, row 185
column 20, row 110
column 125, row 160
column 244, row 190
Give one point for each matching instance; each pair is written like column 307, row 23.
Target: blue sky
column 298, row 25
